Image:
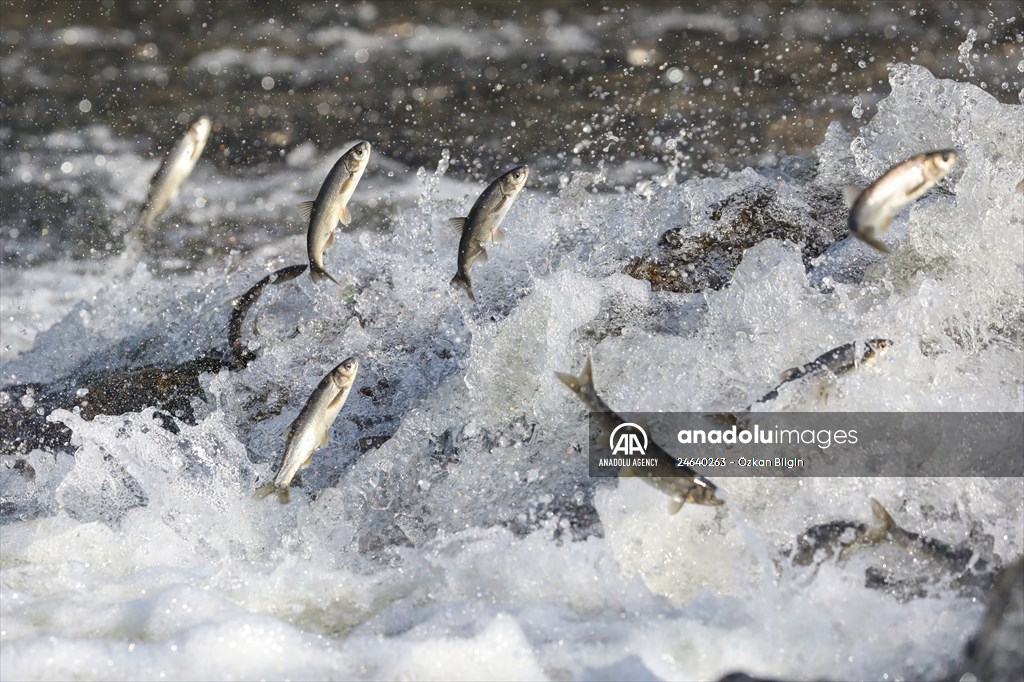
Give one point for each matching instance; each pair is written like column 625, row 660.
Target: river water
column 449, row 529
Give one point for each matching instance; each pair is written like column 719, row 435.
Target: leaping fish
column 837, row 361
column 331, row 205
column 875, row 207
column 483, row 224
column 308, row 433
column 174, row 170
column 680, row 483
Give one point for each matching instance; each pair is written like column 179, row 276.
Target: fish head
column 357, row 157
column 703, row 492
column 876, row 348
column 939, row 163
column 198, row 132
column 345, row 373
column 514, row 180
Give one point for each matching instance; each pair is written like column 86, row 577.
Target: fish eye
column 516, row 175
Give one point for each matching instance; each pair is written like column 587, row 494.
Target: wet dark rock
column 705, row 254
column 24, row 425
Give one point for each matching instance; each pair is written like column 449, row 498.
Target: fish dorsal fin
column 481, row 256
column 850, row 194
column 343, row 215
column 788, row 374
column 497, row 235
column 306, row 209
column 457, row 224
column 674, row 505
column 883, row 520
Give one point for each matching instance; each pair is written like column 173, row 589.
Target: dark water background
column 571, row 83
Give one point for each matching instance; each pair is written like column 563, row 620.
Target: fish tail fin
column 264, row 490
column 283, row 492
column 872, row 242
column 581, row 383
column 319, row 274
column 461, row 280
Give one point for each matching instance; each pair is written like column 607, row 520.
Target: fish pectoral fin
column 918, row 190
column 850, row 194
column 306, row 209
column 675, row 504
column 344, row 216
column 457, row 224
column 288, row 431
column 497, row 235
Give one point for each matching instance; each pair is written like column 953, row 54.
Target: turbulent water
column 449, row 530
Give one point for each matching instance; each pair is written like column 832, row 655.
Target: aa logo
column 628, row 439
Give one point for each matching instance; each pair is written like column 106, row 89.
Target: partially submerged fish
column 839, row 541
column 241, row 306
column 875, row 207
column 331, row 205
column 680, row 483
column 174, row 169
column 309, row 432
column 483, row 224
column 837, row 361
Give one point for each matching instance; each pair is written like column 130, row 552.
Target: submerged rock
column 996, row 652
column 705, row 254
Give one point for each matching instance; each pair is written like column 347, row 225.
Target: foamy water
column 470, row 543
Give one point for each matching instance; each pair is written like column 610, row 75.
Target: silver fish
column 839, row 541
column 309, row 432
column 875, row 207
column 482, row 223
column 680, row 483
column 331, row 205
column 837, row 361
column 174, row 170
